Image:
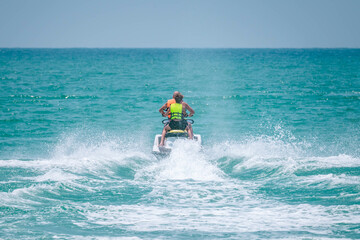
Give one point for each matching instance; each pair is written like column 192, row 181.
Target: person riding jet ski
column 177, row 111
column 166, row 106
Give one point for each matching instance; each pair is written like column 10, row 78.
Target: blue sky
column 180, row 23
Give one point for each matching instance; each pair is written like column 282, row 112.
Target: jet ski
column 170, row 137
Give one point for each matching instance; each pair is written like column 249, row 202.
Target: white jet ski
column 170, row 137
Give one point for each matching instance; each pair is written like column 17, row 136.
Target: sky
column 180, row 23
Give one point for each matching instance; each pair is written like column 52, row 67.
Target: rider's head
column 175, row 93
column 178, row 97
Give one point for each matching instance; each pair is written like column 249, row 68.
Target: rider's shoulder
column 185, row 104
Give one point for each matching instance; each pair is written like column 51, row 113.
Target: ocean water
column 280, row 157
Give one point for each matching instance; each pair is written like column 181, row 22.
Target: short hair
column 175, row 93
column 178, row 97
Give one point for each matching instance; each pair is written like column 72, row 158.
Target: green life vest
column 176, row 111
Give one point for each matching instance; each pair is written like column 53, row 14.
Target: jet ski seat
column 176, row 133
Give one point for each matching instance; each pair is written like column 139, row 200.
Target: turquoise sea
column 280, row 157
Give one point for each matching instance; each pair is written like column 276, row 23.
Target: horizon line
column 179, row 47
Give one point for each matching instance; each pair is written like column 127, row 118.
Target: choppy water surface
column 280, row 157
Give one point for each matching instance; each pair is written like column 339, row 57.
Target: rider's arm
column 168, row 112
column 187, row 107
column 161, row 110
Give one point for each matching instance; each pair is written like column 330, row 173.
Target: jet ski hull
column 161, row 151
